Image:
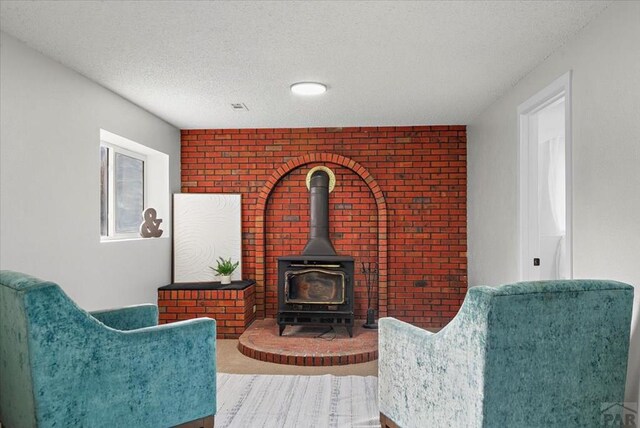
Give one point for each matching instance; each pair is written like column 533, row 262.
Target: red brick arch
column 263, row 197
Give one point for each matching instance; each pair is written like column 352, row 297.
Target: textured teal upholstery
column 532, row 354
column 62, row 367
column 128, row 318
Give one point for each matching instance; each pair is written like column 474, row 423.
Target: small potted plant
column 224, row 269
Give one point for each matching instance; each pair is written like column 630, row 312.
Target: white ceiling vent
column 239, row 107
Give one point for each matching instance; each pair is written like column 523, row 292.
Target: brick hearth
column 308, row 346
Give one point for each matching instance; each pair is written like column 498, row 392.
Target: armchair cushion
column 62, row 367
column 128, row 318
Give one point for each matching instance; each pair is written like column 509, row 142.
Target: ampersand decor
column 150, row 227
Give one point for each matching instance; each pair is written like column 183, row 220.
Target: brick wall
column 420, row 170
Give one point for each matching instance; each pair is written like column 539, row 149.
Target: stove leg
column 281, row 328
column 350, row 330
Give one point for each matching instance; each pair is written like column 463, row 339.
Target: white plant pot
column 225, row 279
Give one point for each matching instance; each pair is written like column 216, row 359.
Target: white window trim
column 157, row 193
column 111, row 226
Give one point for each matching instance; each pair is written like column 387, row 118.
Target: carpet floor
column 285, row 401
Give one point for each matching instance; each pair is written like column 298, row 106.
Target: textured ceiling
column 385, row 63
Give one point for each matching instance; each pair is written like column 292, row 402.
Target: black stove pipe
column 319, row 243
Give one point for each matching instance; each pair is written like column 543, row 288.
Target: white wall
column 605, row 59
column 50, row 120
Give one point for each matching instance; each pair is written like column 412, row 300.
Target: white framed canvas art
column 205, row 226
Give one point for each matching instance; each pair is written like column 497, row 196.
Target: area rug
column 283, row 401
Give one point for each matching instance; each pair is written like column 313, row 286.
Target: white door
column 545, row 185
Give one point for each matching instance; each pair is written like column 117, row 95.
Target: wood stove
column 315, row 290
column 316, row 287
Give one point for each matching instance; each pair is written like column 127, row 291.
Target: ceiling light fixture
column 308, row 88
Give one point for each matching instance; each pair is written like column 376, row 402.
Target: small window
column 122, row 191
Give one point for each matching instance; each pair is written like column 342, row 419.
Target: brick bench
column 232, row 306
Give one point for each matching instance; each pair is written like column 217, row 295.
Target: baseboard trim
column 386, row 422
column 207, row 422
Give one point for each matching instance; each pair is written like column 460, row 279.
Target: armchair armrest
column 429, row 379
column 128, row 318
column 176, row 368
column 156, row 376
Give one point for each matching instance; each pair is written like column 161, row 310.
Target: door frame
column 558, row 88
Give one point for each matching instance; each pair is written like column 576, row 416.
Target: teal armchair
column 532, row 354
column 63, row 367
